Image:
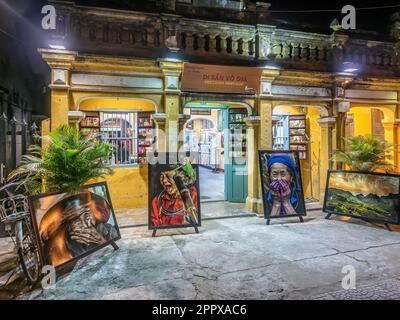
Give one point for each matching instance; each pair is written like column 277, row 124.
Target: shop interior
column 297, row 128
column 204, row 134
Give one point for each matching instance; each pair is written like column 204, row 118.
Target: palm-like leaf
column 69, row 161
column 366, row 154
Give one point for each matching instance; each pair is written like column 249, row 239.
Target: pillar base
column 254, row 205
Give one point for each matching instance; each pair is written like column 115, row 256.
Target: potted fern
column 365, row 154
column 66, row 162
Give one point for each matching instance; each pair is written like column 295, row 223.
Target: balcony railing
column 147, row 34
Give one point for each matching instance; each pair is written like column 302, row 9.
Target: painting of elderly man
column 281, row 184
column 71, row 226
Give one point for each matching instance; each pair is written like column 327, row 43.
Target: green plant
column 365, row 154
column 69, row 160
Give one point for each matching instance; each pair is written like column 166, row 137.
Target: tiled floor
column 211, row 185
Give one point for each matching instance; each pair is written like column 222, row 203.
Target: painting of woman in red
column 177, row 203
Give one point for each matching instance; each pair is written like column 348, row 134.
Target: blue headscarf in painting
column 288, row 162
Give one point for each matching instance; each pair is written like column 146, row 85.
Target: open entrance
column 217, row 131
column 378, row 121
column 297, row 128
column 202, row 135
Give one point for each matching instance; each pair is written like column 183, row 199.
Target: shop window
column 119, row 129
column 289, row 133
column 131, row 134
column 298, row 138
column 237, row 139
column 146, row 136
column 280, row 132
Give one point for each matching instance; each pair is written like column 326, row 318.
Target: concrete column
column 59, row 108
column 259, row 137
column 172, row 103
column 172, row 122
column 160, row 120
column 391, row 136
column 265, row 142
column 327, row 138
column 253, row 201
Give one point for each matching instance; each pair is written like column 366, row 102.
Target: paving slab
column 237, row 258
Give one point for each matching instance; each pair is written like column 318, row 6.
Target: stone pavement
column 240, row 258
column 212, row 185
column 382, row 290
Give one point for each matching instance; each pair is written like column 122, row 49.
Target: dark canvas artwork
column 369, row 196
column 70, row 227
column 282, row 190
column 174, row 194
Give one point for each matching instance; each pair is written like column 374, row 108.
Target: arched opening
column 126, row 124
column 378, row 121
column 296, row 127
column 217, row 130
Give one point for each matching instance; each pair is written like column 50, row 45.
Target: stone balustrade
column 149, row 35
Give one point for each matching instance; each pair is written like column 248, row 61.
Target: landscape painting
column 368, row 196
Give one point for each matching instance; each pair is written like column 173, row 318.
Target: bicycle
column 14, row 213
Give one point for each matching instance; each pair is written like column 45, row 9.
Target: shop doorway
column 297, row 128
column 204, row 134
column 218, row 134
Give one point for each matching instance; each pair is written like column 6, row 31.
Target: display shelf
column 297, row 129
column 145, row 135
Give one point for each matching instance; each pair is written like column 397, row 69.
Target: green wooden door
column 236, row 184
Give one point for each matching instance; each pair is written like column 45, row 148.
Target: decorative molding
column 327, row 121
column 116, row 81
column 59, row 76
column 369, row 94
column 159, row 118
column 59, row 86
column 301, row 91
column 76, row 116
column 344, row 106
column 253, row 121
column 172, row 83
column 266, row 87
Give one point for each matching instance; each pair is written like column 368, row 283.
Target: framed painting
column 174, row 192
column 69, row 227
column 373, row 197
column 282, row 190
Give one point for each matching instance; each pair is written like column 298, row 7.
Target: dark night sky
column 376, row 20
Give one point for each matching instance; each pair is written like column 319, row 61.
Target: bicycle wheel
column 27, row 251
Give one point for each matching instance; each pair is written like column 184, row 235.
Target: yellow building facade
column 123, row 63
column 90, row 83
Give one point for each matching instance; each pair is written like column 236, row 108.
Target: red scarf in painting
column 169, row 211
